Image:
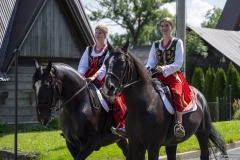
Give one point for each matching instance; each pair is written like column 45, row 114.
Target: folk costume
column 92, row 61
column 170, row 57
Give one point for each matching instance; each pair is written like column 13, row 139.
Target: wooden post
column 217, row 109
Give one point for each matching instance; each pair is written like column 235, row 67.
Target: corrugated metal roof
column 7, row 13
column 25, row 15
column 141, row 52
column 226, row 42
column 26, row 12
column 81, row 14
column 230, row 17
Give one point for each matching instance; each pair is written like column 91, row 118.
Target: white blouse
column 171, row 68
column 84, row 62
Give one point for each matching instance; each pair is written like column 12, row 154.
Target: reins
column 62, row 105
column 128, row 84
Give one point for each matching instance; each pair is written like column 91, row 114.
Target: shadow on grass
column 58, row 148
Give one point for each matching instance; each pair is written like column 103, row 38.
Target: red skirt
column 179, row 88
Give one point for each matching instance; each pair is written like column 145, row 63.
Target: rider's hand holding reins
column 159, row 69
column 90, row 79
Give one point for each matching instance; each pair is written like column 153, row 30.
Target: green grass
column 49, row 145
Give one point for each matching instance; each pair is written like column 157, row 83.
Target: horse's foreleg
column 88, row 147
column 74, row 151
column 171, row 152
column 122, row 143
column 153, row 153
column 136, row 151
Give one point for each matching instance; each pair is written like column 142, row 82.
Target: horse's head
column 118, row 71
column 46, row 92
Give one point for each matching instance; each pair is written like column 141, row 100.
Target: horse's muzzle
column 108, row 94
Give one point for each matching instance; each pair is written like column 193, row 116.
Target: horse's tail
column 217, row 140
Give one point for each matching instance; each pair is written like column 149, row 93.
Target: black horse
column 85, row 125
column 149, row 125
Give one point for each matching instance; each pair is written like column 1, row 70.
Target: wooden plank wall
column 26, row 96
column 26, row 100
column 52, row 35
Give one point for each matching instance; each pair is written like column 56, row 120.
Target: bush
column 198, row 79
column 236, row 105
column 55, row 123
column 5, row 128
column 237, row 115
column 208, row 85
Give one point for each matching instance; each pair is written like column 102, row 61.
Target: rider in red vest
column 166, row 56
column 92, row 67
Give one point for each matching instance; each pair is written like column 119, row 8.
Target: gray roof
column 17, row 17
column 230, row 17
column 7, row 10
column 226, row 42
column 141, row 52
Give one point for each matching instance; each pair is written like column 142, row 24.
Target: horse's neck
column 71, row 85
column 138, row 89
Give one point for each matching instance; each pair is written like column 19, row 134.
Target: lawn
column 50, row 145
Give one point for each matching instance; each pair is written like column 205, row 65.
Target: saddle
column 96, row 104
column 161, row 88
column 165, row 94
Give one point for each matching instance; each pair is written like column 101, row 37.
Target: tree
column 219, row 87
column 212, row 17
column 195, row 49
column 198, row 79
column 220, row 83
column 208, row 85
column 138, row 17
column 233, row 79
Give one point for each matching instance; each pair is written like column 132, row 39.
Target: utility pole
column 230, row 103
column 181, row 27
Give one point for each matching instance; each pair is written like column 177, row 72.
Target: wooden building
column 46, row 30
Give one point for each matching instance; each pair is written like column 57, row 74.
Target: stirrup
column 179, row 131
column 119, row 131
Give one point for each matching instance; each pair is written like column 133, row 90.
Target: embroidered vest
column 167, row 56
column 100, row 58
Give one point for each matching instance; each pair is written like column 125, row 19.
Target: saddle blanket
column 102, row 100
column 192, row 106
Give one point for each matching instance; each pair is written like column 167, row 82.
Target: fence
column 220, row 110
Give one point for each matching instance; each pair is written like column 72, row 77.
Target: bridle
column 128, row 70
column 54, row 88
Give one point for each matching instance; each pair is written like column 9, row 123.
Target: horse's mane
column 142, row 71
column 63, row 66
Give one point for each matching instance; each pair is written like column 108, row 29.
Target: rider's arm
column 152, row 59
column 83, row 64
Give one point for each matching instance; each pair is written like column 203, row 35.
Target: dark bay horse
column 149, row 125
column 85, row 125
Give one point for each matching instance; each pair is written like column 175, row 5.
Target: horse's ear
column 49, row 66
column 36, row 64
column 125, row 46
column 110, row 47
